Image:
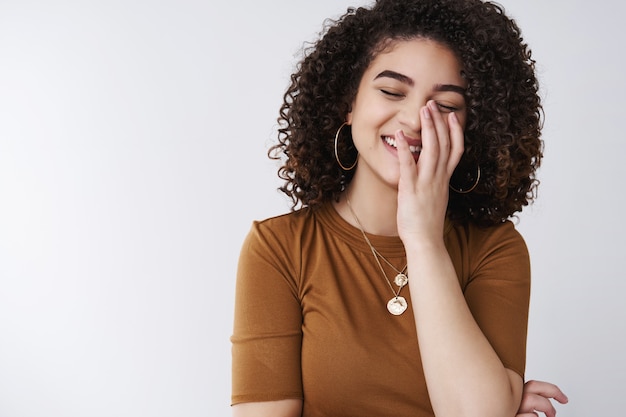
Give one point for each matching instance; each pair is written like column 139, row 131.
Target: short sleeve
column 498, row 292
column 267, row 335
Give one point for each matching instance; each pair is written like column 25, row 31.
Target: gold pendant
column 401, row 280
column 397, row 305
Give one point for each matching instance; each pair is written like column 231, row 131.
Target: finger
column 429, row 155
column 406, row 161
column 443, row 136
column 546, row 389
column 457, row 140
column 534, row 402
column 527, row 415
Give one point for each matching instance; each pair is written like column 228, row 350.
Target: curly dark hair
column 504, row 115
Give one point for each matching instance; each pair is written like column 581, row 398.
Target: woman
column 410, row 134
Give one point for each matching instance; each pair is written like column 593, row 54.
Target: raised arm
column 464, row 375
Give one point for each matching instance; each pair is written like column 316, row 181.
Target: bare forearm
column 464, row 375
column 282, row 408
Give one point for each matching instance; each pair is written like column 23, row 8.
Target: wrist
column 424, row 245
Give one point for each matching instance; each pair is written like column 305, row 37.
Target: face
column 397, row 84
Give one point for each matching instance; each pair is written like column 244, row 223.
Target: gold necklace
column 397, row 305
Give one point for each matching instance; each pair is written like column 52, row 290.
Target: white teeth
column 415, row 149
column 392, row 142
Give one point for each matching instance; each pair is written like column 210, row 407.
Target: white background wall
column 132, row 162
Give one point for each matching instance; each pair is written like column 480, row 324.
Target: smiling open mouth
column 391, row 141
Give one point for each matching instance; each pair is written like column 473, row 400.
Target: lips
column 414, row 148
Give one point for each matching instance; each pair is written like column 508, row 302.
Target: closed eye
column 391, row 94
column 446, row 108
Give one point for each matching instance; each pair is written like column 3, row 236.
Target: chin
column 392, row 180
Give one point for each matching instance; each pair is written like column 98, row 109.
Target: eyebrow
column 396, row 76
column 450, row 87
column 409, row 81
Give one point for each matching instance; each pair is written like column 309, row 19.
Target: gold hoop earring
column 460, row 190
column 337, row 153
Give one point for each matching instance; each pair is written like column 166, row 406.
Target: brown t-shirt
column 311, row 320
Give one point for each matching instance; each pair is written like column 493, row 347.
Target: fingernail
column 426, row 112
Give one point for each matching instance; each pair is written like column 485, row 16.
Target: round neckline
column 388, row 246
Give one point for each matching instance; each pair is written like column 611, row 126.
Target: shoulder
column 277, row 244
column 474, row 236
column 482, row 246
column 284, row 225
column 282, row 233
column 284, row 219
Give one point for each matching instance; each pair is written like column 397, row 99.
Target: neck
column 375, row 205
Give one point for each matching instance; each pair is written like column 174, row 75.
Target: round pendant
column 401, row 280
column 397, row 305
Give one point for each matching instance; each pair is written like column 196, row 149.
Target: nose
column 410, row 117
